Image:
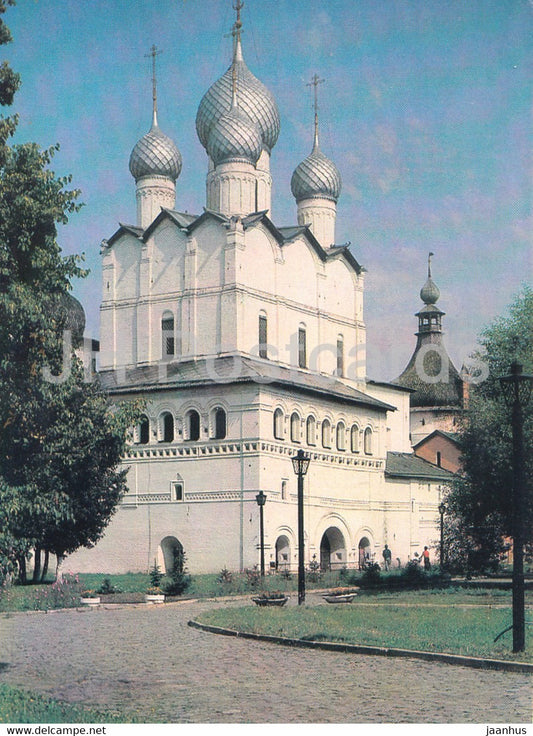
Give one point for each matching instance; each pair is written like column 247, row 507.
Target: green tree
column 479, row 505
column 61, row 441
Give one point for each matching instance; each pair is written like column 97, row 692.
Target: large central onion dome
column 234, row 137
column 155, row 154
column 255, row 101
column 316, row 176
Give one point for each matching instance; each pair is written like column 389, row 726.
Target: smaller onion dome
column 429, row 293
column 234, row 137
column 316, row 176
column 70, row 312
column 155, row 154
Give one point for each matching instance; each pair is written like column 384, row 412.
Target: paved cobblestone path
column 148, row 661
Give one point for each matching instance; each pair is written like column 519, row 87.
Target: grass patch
column 19, row 706
column 445, row 624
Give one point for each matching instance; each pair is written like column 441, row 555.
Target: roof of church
column 231, row 370
column 283, row 235
column 407, row 465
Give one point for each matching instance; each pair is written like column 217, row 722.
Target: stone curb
column 474, row 662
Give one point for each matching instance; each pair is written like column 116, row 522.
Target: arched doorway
column 171, row 549
column 283, row 553
column 332, row 549
column 365, row 554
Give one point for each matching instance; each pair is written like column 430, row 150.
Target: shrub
column 253, row 577
column 65, row 592
column 180, row 579
column 155, row 575
column 107, row 588
column 371, row 576
column 225, row 577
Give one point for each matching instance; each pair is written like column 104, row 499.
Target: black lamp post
column 442, row 511
column 516, row 389
column 300, row 463
column 261, row 500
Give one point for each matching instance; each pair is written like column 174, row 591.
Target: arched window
column 141, row 435
column 165, row 427
column 263, row 336
column 326, row 433
column 354, row 438
column 192, row 426
column 278, row 424
column 219, row 424
column 310, row 431
column 368, row 441
column 302, row 347
column 341, row 436
column 167, row 335
column 295, row 427
column 340, row 355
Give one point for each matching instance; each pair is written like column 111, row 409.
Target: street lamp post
column 516, row 389
column 261, row 500
column 300, row 463
column 442, row 511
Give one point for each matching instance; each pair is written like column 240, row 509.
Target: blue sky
column 426, row 111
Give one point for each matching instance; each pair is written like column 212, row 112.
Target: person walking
column 425, row 557
column 386, row 557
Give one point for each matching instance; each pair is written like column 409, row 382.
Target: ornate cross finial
column 429, row 264
column 237, row 27
column 315, row 81
column 153, row 53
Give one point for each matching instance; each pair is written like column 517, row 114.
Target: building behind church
column 247, row 342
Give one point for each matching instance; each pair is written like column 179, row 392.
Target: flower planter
column 344, row 598
column 270, row 601
column 154, row 598
column 90, row 601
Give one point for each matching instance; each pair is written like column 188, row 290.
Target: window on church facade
column 326, row 433
column 220, row 424
column 263, row 336
column 278, row 424
column 341, row 436
column 165, row 428
column 142, row 432
column 354, row 438
column 177, row 491
column 295, row 427
column 167, row 333
column 340, row 356
column 283, row 490
column 302, row 348
column 192, row 426
column 368, row 441
column 310, row 431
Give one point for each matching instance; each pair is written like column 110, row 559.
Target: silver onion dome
column 234, row 137
column 155, row 154
column 316, row 176
column 71, row 314
column 255, row 101
column 430, row 292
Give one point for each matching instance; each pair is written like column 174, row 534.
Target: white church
column 247, row 342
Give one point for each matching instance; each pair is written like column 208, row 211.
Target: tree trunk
column 21, row 559
column 44, row 571
column 59, row 559
column 37, row 564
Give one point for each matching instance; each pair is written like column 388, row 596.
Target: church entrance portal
column 171, row 549
column 283, row 553
column 332, row 550
column 364, row 552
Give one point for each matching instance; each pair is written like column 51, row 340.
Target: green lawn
column 432, row 622
column 19, row 706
